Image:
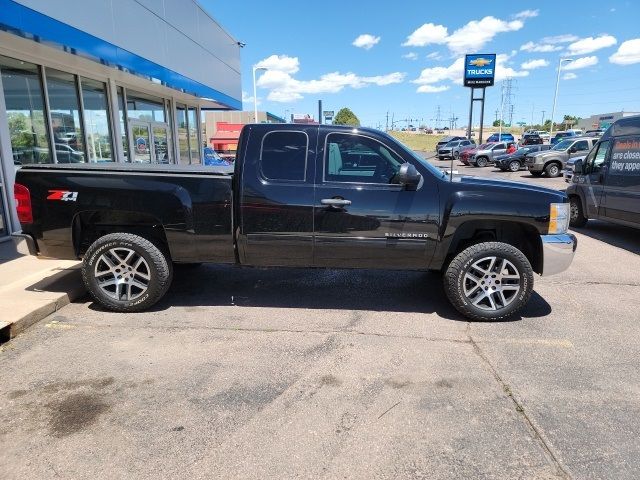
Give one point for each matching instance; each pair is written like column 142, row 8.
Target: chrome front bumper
column 557, row 252
column 25, row 244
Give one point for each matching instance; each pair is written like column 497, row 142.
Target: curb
column 70, row 287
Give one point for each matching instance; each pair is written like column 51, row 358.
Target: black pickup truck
column 302, row 196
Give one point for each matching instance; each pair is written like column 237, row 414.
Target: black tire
column 514, row 165
column 455, row 281
column 106, row 252
column 576, row 214
column 536, row 174
column 552, row 170
column 456, row 155
column 481, row 162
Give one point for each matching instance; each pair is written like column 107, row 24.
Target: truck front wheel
column 489, row 281
column 125, row 272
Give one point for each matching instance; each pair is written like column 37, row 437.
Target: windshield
column 522, row 150
column 453, row 144
column 484, row 146
column 563, row 145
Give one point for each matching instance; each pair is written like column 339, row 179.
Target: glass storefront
column 64, row 106
column 183, row 134
column 193, row 136
column 4, row 228
column 96, row 120
column 122, row 118
column 22, row 89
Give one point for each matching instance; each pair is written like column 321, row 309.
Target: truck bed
column 133, row 167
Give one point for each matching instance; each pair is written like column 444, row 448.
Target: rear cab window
column 283, row 156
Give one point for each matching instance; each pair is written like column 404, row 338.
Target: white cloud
column 565, row 38
column 432, row 88
column 533, row 64
column 591, row 44
column 281, row 63
column 284, row 88
column 427, row 34
column 410, row 56
column 472, row 36
column 582, row 62
column 539, row 47
column 628, row 53
column 475, row 34
column 434, row 56
column 527, row 14
column 366, row 41
column 455, row 72
column 248, row 99
column 569, row 76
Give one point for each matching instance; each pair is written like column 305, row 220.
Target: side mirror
column 577, row 167
column 573, row 150
column 408, row 176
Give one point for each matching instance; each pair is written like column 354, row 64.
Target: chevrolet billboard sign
column 479, row 70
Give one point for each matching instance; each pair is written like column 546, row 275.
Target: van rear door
column 621, row 200
column 592, row 182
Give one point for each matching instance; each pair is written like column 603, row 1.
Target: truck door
column 591, row 183
column 276, row 195
column 621, row 194
column 363, row 217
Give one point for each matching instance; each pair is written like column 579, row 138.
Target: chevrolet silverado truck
column 296, row 196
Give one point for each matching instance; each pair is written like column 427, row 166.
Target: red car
column 465, row 155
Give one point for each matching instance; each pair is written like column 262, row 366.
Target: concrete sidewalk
column 31, row 289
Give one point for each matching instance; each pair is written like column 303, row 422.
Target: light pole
column 255, row 95
column 555, row 97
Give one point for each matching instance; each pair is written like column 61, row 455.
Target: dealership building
column 108, row 81
column 602, row 120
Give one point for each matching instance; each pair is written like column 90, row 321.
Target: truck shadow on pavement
column 615, row 235
column 367, row 290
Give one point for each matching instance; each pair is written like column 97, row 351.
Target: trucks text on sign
column 479, row 70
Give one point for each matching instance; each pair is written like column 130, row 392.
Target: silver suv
column 452, row 149
column 553, row 161
column 483, row 157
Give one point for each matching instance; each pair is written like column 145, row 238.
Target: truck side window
column 284, row 155
column 581, row 146
column 596, row 161
column 358, row 159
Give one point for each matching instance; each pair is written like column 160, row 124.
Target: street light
column 555, row 97
column 255, row 96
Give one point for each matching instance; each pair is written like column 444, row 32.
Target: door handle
column 335, row 202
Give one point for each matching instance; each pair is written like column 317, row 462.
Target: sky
column 405, row 58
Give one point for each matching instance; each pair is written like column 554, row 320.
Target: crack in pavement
column 537, row 432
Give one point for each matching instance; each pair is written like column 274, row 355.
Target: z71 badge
column 63, row 195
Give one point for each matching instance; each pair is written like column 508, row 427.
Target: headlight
column 558, row 218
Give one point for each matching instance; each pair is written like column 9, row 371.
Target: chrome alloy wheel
column 491, row 283
column 573, row 211
column 122, row 274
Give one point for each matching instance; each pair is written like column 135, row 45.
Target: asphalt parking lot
column 285, row 373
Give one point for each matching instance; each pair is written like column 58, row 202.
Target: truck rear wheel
column 124, row 272
column 481, row 162
column 489, row 281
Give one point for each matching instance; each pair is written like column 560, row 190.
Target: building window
column 183, row 134
column 68, row 135
column 22, row 88
column 193, row 136
column 96, row 120
column 145, row 107
column 284, row 155
column 122, row 117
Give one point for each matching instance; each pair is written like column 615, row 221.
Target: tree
column 496, row 123
column 346, row 117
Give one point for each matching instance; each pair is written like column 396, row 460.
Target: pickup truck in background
column 296, row 196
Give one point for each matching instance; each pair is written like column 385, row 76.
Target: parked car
column 515, row 161
column 67, row 154
column 130, row 222
column 598, row 132
column 211, row 158
column 554, row 160
column 576, row 131
column 452, row 149
column 561, row 135
column 504, row 137
column 484, row 157
column 606, row 184
column 531, row 139
column 465, row 155
column 567, row 173
column 446, row 140
column 544, row 135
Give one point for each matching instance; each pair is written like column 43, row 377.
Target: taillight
column 23, row 203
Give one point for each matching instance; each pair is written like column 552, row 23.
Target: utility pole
column 438, row 118
column 387, row 129
column 543, row 112
column 320, row 112
column 497, row 113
